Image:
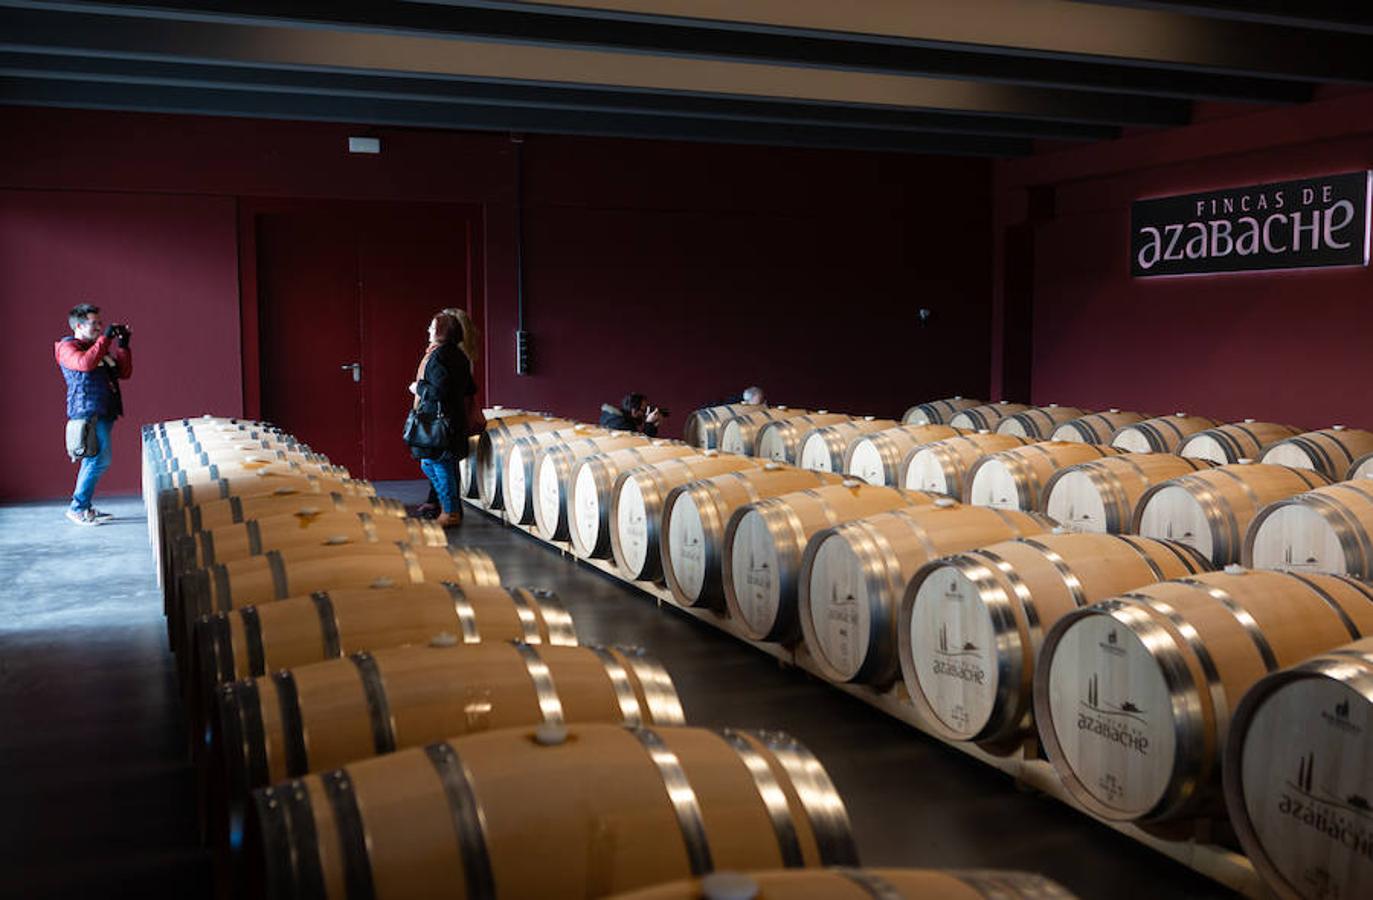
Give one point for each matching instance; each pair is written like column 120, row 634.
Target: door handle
column 357, row 370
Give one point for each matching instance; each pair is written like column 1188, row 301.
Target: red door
column 345, row 294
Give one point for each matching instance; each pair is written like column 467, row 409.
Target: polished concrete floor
column 96, row 795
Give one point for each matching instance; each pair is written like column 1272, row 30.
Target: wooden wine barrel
column 858, row 884
column 1096, row 428
column 1015, row 478
column 234, row 510
column 617, row 809
column 467, row 472
column 553, row 477
column 518, row 482
column 593, row 486
column 279, row 574
column 740, row 434
column 987, row 416
column 242, row 471
column 491, row 446
column 260, row 483
column 764, row 543
column 1161, row 434
column 780, row 440
column 942, row 467
column 702, row 427
column 1133, row 695
column 876, row 458
column 1297, row 772
column 1039, row 422
column 938, row 412
column 1329, row 529
column 257, row 536
column 853, row 577
column 1330, row 451
column 636, row 507
column 1235, row 441
column 1101, row 495
column 1212, row 510
column 694, row 518
column 297, row 631
column 1361, row 469
column 203, row 421
column 822, row 449
column 971, row 623
column 372, row 703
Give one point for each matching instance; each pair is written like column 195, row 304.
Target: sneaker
column 84, row 517
column 100, row 513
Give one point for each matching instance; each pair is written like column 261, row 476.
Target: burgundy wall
column 163, row 262
column 1289, row 346
column 683, row 270
column 689, row 272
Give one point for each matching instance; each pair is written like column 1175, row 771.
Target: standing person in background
column 633, row 414
column 441, row 388
column 93, row 359
column 471, row 345
column 752, row 395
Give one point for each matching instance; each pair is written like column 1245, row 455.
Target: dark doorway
column 345, row 292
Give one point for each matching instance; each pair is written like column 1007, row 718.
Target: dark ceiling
column 976, row 77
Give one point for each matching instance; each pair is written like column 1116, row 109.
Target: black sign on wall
column 1286, row 225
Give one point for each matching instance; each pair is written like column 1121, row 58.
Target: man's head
column 634, row 405
column 753, row 394
column 85, row 321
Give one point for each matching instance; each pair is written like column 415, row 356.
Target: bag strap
column 419, row 374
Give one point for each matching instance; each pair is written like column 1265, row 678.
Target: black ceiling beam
column 172, row 74
column 1331, row 15
column 686, row 38
column 105, row 94
column 382, row 53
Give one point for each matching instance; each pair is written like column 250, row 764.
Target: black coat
column 443, row 388
column 617, row 419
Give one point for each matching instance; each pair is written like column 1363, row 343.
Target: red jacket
column 92, row 372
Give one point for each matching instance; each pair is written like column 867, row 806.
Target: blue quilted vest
column 93, row 394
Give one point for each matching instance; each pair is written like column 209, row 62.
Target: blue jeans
column 443, row 475
column 92, row 467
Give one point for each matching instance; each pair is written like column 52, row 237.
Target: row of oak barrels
column 373, row 714
column 1126, row 653
column 833, row 442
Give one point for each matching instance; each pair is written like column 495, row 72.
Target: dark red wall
column 1289, row 347
column 163, row 262
column 683, row 270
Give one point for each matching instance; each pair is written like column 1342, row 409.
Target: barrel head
column 1295, row 537
column 1110, row 709
column 631, row 529
column 1174, row 514
column 1305, row 766
column 925, row 472
column 1074, row 501
column 755, row 573
column 838, row 620
column 815, row 453
column 953, row 652
column 686, row 546
column 585, row 511
column 865, row 462
column 1132, row 440
column 1204, row 446
column 548, row 499
column 994, row 484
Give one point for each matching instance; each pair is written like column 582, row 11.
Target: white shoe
column 100, row 513
column 84, row 518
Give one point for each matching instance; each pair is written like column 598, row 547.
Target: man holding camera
column 93, row 359
column 633, row 414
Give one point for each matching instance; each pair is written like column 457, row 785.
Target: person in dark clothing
column 633, row 414
column 441, row 387
column 93, row 359
column 471, row 345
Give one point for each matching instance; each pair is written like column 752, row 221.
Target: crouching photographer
column 633, row 414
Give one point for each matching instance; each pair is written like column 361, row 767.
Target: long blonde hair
column 471, row 338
